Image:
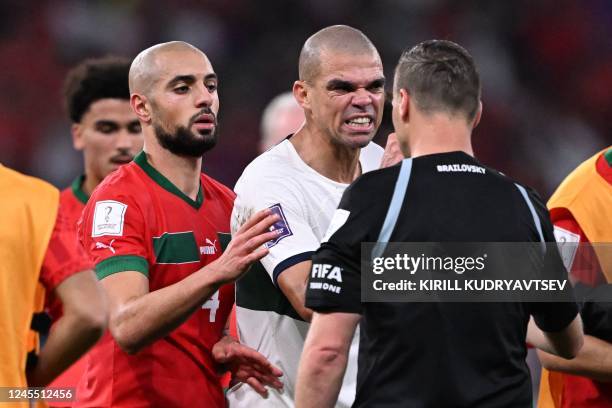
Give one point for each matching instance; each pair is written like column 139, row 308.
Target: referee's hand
column 246, row 246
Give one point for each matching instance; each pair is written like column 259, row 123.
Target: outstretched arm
column 82, row 323
column 138, row 317
column 593, row 361
column 565, row 343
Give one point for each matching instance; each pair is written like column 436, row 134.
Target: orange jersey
column 36, row 258
column 27, row 214
column 581, row 210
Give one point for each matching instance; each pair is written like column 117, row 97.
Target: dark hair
column 440, row 76
column 95, row 79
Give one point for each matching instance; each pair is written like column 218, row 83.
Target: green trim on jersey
column 77, row 189
column 176, row 248
column 608, row 156
column 141, row 160
column 122, row 263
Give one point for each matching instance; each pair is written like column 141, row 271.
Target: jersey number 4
column 212, row 304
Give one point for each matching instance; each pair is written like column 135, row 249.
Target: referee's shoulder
column 513, row 183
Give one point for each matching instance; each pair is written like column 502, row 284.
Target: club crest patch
column 108, row 218
column 281, row 226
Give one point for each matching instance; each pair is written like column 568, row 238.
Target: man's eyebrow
column 340, row 84
column 347, row 85
column 377, row 83
column 105, row 122
column 188, row 79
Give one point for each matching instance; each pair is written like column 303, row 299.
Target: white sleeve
column 296, row 242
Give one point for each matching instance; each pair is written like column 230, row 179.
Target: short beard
column 184, row 142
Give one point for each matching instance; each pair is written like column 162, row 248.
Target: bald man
column 341, row 92
column 151, row 229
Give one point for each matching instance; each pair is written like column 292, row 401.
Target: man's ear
column 404, row 105
column 478, row 115
column 140, row 107
column 300, row 93
column 77, row 136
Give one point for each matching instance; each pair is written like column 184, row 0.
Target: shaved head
column 334, row 39
column 144, row 69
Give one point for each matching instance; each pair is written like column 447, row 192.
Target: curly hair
column 95, row 79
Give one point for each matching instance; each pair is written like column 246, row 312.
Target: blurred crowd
column 546, row 68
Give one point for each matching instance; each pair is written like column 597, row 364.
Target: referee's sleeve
column 335, row 277
column 335, row 281
column 552, row 316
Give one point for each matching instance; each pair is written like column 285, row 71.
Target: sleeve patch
column 337, row 221
column 281, row 226
column 567, row 242
column 108, row 218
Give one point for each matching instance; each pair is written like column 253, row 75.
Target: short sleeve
column 296, row 241
column 112, row 231
column 64, row 257
column 552, row 316
column 335, row 279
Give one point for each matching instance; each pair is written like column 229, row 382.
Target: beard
column 183, row 142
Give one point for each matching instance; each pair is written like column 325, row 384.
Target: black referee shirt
column 439, row 354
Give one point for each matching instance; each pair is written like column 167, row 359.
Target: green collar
column 77, row 189
column 608, row 156
column 141, row 160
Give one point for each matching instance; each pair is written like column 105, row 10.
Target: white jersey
column 306, row 202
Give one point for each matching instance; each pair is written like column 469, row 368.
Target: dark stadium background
column 546, row 68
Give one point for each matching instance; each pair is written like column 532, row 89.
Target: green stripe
column 122, row 263
column 77, row 189
column 224, row 240
column 176, row 248
column 608, row 156
column 141, row 160
column 255, row 291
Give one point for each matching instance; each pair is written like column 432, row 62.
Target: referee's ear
column 404, row 105
column 477, row 116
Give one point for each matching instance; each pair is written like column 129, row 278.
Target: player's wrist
column 214, row 276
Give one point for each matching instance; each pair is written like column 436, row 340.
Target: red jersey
column 64, row 256
column 137, row 220
column 72, row 203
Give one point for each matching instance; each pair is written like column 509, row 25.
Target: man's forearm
column 319, row 378
column 70, row 337
column 155, row 314
column 593, row 361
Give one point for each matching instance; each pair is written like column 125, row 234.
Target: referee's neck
column 439, row 135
